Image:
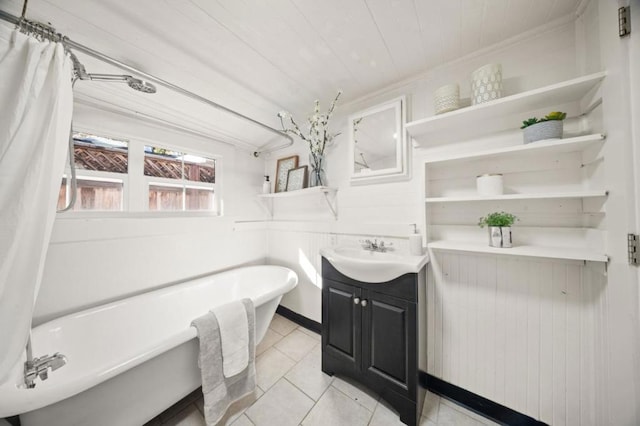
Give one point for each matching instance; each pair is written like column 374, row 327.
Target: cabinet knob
column 356, row 301
column 364, row 303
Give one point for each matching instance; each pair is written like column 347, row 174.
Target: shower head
column 134, row 83
column 140, row 85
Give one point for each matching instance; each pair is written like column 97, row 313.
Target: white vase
column 486, row 84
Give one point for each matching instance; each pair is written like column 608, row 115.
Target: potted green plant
column 499, row 224
column 548, row 127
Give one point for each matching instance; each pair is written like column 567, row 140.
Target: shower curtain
column 36, row 103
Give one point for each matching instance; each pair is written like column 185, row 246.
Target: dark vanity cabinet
column 371, row 333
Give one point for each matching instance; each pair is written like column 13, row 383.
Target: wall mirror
column 378, row 143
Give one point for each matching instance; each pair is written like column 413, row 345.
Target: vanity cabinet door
column 341, row 332
column 389, row 341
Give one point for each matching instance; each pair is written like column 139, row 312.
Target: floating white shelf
column 496, row 116
column 505, row 197
column 568, row 253
column 328, row 193
column 578, row 143
column 300, row 192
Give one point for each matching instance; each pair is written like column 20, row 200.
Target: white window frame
column 136, row 184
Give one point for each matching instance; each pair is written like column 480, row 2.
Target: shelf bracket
column 267, row 205
column 331, row 205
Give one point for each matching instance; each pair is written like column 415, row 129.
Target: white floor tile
column 335, row 408
column 296, row 345
column 430, row 407
column 270, row 339
column 282, row 405
column 385, row 416
column 307, row 375
column 190, row 416
column 448, row 416
column 357, row 392
column 281, row 325
column 308, row 332
column 271, row 366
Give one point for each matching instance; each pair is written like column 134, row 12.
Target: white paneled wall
column 97, row 258
column 532, row 334
column 517, row 331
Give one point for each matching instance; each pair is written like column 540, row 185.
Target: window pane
column 163, row 163
column 94, row 194
column 199, row 199
column 98, row 153
column 199, row 169
column 165, row 198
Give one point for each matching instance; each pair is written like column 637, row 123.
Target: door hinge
column 624, row 21
column 633, row 244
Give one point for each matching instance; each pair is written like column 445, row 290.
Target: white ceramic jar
column 446, row 98
column 490, row 184
column 486, row 84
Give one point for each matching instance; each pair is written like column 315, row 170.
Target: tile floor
column 292, row 390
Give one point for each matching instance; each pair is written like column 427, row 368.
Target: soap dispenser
column 266, row 186
column 415, row 242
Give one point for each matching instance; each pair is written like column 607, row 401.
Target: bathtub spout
column 39, row 367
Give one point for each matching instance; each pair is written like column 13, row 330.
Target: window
column 101, row 171
column 150, row 179
column 179, row 181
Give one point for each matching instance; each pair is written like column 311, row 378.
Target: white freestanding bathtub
column 129, row 360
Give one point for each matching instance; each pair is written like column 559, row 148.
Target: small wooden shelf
column 506, row 197
column 328, row 193
column 574, row 144
column 496, row 116
column 568, row 253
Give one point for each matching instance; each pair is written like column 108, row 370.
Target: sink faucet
column 39, row 367
column 375, row 245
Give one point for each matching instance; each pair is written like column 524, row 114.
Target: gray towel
column 220, row 392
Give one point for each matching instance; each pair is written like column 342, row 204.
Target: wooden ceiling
column 263, row 56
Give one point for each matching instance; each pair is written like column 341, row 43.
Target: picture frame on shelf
column 297, row 178
column 282, row 171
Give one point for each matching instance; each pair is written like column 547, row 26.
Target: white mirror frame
column 402, row 170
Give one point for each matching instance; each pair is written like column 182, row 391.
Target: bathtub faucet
column 39, row 367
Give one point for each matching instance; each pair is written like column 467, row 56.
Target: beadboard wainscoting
column 517, row 331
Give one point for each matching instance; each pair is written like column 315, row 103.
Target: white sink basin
column 372, row 266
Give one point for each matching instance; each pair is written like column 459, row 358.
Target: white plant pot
column 551, row 129
column 446, row 98
column 500, row 236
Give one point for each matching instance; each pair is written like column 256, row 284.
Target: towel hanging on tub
column 220, row 386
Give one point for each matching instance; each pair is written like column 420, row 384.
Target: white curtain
column 36, row 103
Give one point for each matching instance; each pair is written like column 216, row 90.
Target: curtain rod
column 107, row 59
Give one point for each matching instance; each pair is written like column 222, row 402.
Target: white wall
column 389, row 208
column 92, row 259
column 530, row 334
